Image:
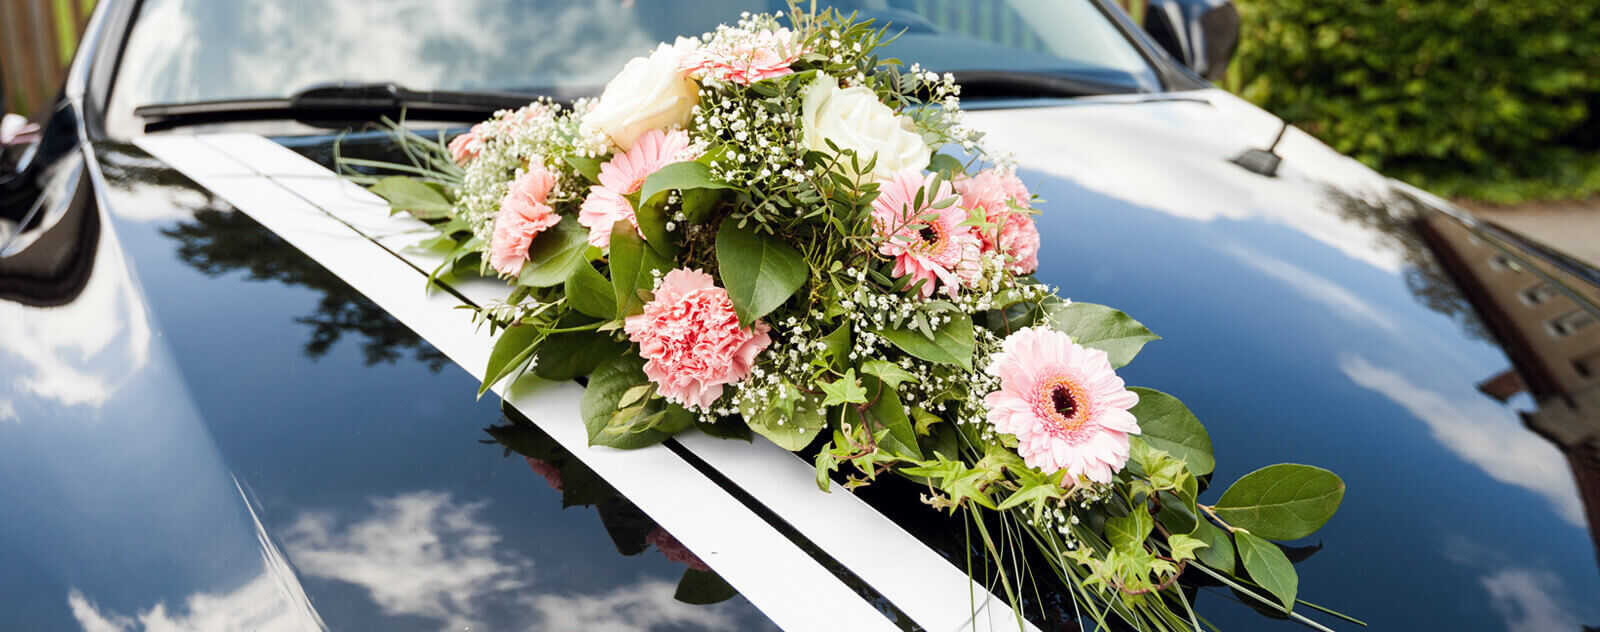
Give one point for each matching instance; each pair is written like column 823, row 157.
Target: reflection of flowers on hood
column 1063, row 402
column 744, row 57
column 936, row 250
column 623, row 176
column 854, row 119
column 549, row 471
column 649, row 93
column 692, row 340
column 674, row 550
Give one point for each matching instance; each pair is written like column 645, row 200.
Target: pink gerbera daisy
column 743, row 57
column 926, row 243
column 692, row 340
column 623, row 176
column 999, row 194
column 523, row 214
column 1064, row 403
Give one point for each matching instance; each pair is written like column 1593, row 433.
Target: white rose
column 854, row 119
column 648, row 94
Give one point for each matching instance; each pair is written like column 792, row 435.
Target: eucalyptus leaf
column 421, row 199
column 760, row 272
column 1166, row 424
column 554, row 254
column 1282, row 502
column 1100, row 327
column 952, row 342
column 1268, row 567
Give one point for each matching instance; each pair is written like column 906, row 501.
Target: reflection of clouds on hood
column 647, row 605
column 1479, row 432
column 1312, row 286
column 425, row 554
column 1109, row 149
column 419, row 554
column 81, row 353
column 1529, row 600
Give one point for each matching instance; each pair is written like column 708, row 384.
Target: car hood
column 211, row 412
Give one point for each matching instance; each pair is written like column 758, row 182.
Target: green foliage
column 1268, row 566
column 632, row 261
column 591, row 293
column 554, row 254
column 511, row 352
column 1282, row 502
column 760, row 272
column 613, row 416
column 422, row 200
column 1478, row 97
column 950, row 343
column 1166, row 424
column 1100, row 327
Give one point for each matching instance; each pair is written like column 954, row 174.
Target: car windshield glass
column 184, row 51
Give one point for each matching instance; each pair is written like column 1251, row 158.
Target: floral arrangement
column 770, row 230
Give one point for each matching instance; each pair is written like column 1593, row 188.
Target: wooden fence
column 37, row 38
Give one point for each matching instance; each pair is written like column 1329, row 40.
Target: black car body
column 204, row 427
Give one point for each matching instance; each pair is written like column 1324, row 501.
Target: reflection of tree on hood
column 217, row 241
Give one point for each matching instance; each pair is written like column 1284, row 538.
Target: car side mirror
column 1200, row 34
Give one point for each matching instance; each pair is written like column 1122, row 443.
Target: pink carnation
column 692, row 339
column 523, row 215
column 743, row 57
column 996, row 192
column 466, row 146
column 551, row 474
column 936, row 250
column 1064, row 403
column 673, row 549
column 624, row 175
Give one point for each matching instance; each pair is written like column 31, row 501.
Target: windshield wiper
column 333, row 105
column 1007, row 84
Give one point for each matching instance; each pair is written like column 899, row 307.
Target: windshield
column 205, row 50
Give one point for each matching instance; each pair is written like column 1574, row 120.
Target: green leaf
column 1166, row 424
column 1129, row 532
column 590, row 292
column 652, row 220
column 845, row 390
column 554, row 254
column 697, row 204
column 1031, row 493
column 1268, row 566
column 951, row 343
column 575, row 354
column 1218, row 553
column 678, row 176
column 632, row 261
column 945, row 163
column 588, row 167
column 891, row 373
column 599, row 404
column 1282, row 502
column 791, row 431
column 1184, row 546
column 422, row 200
column 1101, row 327
column 512, row 350
column 887, row 412
column 837, row 346
column 760, row 272
column 703, row 587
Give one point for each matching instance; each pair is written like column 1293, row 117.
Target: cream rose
column 649, row 93
column 854, row 119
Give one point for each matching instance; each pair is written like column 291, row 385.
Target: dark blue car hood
column 209, row 428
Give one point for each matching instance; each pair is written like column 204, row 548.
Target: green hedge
column 1490, row 99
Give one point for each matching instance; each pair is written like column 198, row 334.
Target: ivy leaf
column 1282, row 502
column 1101, row 327
column 760, row 272
column 590, row 292
column 1184, row 546
column 845, row 390
column 889, row 372
column 1268, row 566
column 632, row 261
column 1166, row 424
column 1032, row 493
column 1129, row 532
column 554, row 254
column 422, row 200
column 951, row 343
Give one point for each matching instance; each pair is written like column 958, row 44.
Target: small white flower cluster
column 764, row 150
column 510, row 142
